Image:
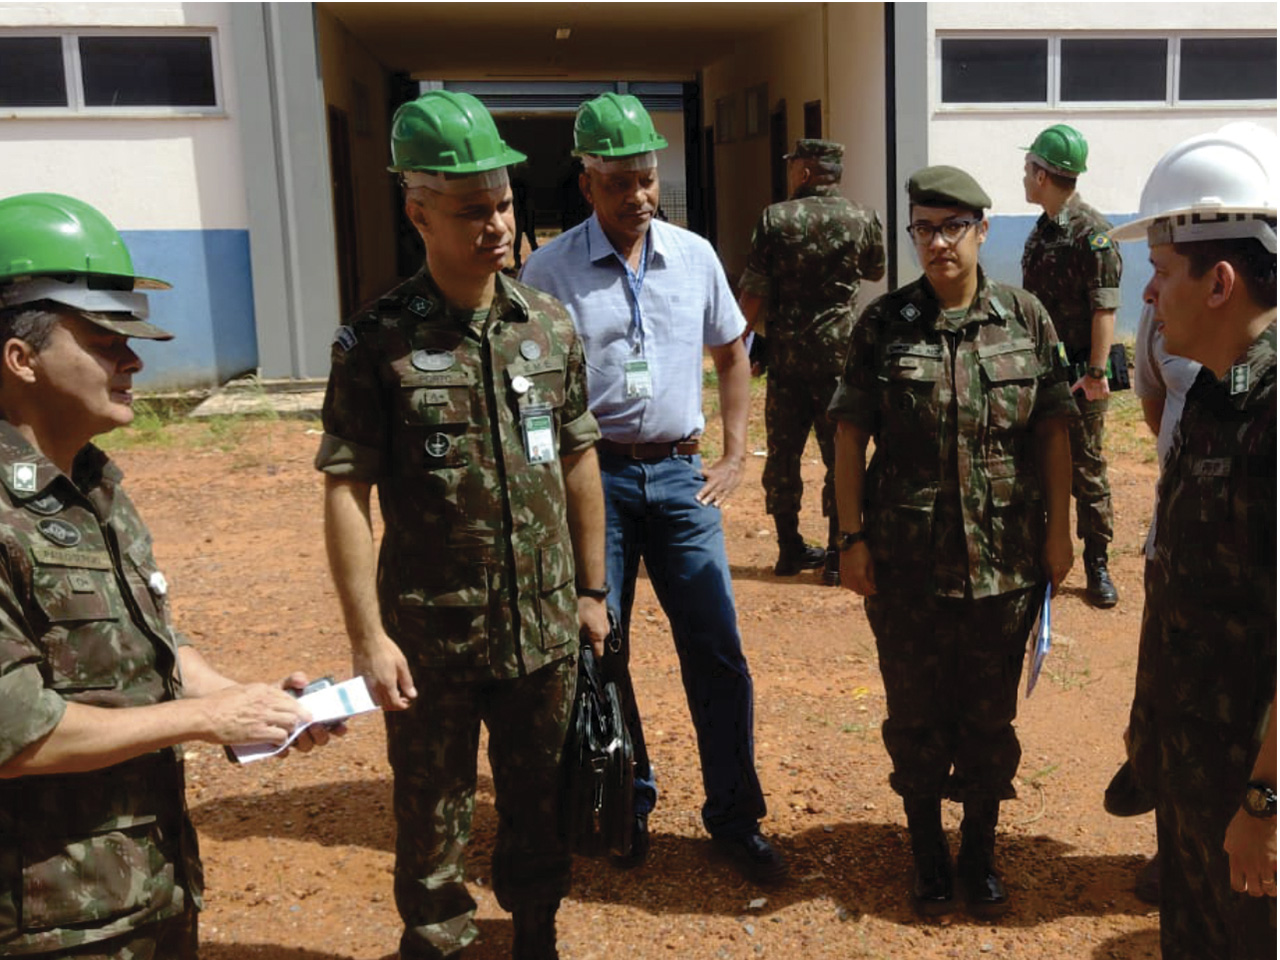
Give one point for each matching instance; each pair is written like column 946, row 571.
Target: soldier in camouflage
column 808, row 256
column 956, row 525
column 1071, row 266
column 1202, row 725
column 461, row 395
column 98, row 856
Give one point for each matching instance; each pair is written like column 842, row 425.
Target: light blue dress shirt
column 684, row 303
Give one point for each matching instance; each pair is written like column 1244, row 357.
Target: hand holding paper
column 328, row 705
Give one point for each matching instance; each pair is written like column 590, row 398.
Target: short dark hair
column 1060, row 181
column 1255, row 264
column 31, row 322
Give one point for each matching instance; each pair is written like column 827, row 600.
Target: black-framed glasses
column 923, row 232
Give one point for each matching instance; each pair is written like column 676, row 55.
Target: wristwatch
column 847, row 540
column 595, row 593
column 1096, row 373
column 1260, row 800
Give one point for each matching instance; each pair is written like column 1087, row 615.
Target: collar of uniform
column 817, row 190
column 92, row 469
column 1259, row 358
column 599, row 248
column 512, row 306
column 1069, row 209
column 983, row 304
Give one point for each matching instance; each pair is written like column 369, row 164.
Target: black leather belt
column 649, row 451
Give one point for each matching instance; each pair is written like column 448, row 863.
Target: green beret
column 828, row 151
column 946, row 187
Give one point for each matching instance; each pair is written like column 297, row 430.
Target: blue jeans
column 652, row 514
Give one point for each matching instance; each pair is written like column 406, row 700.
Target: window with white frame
column 109, row 72
column 1135, row 69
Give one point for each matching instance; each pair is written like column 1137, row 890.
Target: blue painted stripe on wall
column 1002, row 259
column 209, row 310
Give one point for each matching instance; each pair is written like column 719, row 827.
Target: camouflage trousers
column 1089, row 483
column 951, row 669
column 432, row 747
column 793, row 406
column 172, row 939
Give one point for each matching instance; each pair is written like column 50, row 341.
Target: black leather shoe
column 984, row 891
column 1099, row 590
column 831, row 569
column 535, row 933
column 753, row 857
column 795, row 556
column 934, row 890
column 639, row 845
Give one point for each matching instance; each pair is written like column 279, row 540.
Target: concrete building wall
column 1125, row 141
column 172, row 185
column 791, row 61
column 356, row 83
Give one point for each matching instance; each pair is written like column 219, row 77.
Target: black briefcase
column 600, row 762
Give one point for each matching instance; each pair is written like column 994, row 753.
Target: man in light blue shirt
column 646, row 297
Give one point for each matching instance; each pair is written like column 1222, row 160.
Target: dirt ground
column 298, row 853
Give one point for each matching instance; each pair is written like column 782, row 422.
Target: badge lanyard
column 638, row 379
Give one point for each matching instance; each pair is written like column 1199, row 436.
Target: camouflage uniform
column 1073, row 268
column 475, row 577
column 105, row 860
column 1207, row 655
column 808, row 255
column 954, row 520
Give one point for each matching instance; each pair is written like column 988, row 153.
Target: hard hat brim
column 1136, row 229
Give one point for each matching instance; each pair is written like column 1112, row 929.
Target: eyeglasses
column 923, row 232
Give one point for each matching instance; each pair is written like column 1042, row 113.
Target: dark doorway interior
column 778, row 147
column 551, row 171
column 344, row 212
column 813, row 120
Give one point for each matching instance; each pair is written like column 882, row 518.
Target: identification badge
column 638, row 380
column 539, row 437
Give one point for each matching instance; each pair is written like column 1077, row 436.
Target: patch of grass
column 1066, row 669
column 1032, row 779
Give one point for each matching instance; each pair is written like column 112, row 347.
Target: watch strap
column 595, row 593
column 847, row 540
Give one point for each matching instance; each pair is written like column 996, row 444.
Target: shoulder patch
column 344, row 338
column 1100, row 241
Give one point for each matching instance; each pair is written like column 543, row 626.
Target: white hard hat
column 1211, row 187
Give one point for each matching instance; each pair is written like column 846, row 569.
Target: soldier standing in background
column 97, row 689
column 1202, row 734
column 462, row 396
column 957, row 379
column 808, row 256
column 1071, row 266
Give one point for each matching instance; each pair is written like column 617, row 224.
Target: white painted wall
column 671, row 160
column 1124, row 143
column 172, row 173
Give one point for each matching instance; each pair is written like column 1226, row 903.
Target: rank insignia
column 432, row 361
column 1100, row 241
column 420, row 305
column 909, row 312
column 1239, row 379
column 24, row 477
column 530, row 350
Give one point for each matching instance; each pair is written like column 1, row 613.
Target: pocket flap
column 555, row 567
column 1019, row 364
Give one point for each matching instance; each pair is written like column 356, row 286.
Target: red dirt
column 298, row 852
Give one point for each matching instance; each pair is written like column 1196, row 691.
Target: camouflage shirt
column 953, row 502
column 808, row 256
column 442, row 412
column 84, row 618
column 1212, row 585
column 1072, row 267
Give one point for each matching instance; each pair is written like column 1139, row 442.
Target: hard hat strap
column 1195, row 227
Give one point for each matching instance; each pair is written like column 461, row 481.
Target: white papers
column 327, row 705
column 1043, row 640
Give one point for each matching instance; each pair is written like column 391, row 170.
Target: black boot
column 831, row 569
column 794, row 554
column 1099, row 590
column 976, row 865
column 933, row 888
column 535, row 932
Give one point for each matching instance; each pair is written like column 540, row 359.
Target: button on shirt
column 684, row 301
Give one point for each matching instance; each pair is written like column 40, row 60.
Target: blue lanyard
column 635, row 281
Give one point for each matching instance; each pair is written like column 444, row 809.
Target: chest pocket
column 436, row 410
column 76, row 590
column 1009, row 374
column 910, row 375
column 149, row 588
column 537, row 383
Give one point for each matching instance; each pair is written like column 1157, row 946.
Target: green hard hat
column 1063, row 147
column 42, row 234
column 445, row 131
column 615, row 125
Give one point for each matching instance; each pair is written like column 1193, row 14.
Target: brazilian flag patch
column 1100, row 241
column 1062, row 355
